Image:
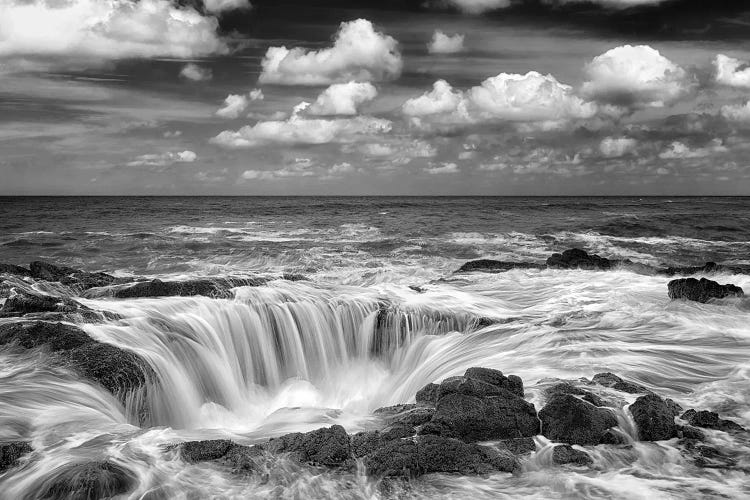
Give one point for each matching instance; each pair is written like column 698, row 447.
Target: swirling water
column 294, row 356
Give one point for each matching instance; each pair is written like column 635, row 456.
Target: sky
column 368, row 97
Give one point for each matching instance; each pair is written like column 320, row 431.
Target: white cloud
column 343, row 99
column 358, row 53
column 217, row 6
column 479, row 6
column 235, row 104
column 256, row 95
column 196, row 73
column 445, row 44
column 679, row 151
column 634, row 77
column 442, row 99
column 446, row 168
column 100, row 30
column 736, row 113
column 341, row 168
column 163, row 160
column 615, row 147
column 732, row 72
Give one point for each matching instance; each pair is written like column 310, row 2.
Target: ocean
column 296, row 355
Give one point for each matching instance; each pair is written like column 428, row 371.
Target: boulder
column 215, row 288
column 427, row 395
column 710, row 420
column 708, row 267
column 701, row 290
column 614, row 382
column 87, row 481
column 20, row 303
column 576, row 258
column 11, row 453
column 511, row 383
column 236, row 456
column 568, row 419
column 566, row 454
column 50, row 272
column 14, row 270
column 518, row 446
column 326, row 446
column 654, row 418
column 394, row 458
column 496, row 266
column 568, row 388
column 611, row 436
column 74, row 278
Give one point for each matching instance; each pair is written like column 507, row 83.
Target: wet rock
column 701, row 290
column 518, row 446
column 566, row 454
column 394, row 458
column 50, row 272
column 708, row 267
column 117, row 370
column 20, row 303
column 14, row 270
column 709, row 457
column 614, row 382
column 690, row 432
column 568, row 419
column 366, row 442
column 576, row 258
column 294, row 277
column 88, row 481
column 412, row 418
column 654, row 418
column 496, row 266
column 675, row 408
column 327, row 446
column 417, row 288
column 568, row 388
column 74, row 278
column 427, row 395
column 202, row 451
column 511, row 383
column 710, row 420
column 11, row 453
column 611, row 436
column 218, row 288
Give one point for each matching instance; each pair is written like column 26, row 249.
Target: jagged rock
column 294, row 277
column 567, row 419
column 20, row 303
column 710, row 420
column 611, row 436
column 11, row 453
column 566, row 454
column 69, row 276
column 117, row 370
column 701, row 290
column 568, row 388
column 14, row 270
column 708, row 457
column 326, row 446
column 496, row 266
column 512, row 383
column 576, row 258
column 394, row 458
column 690, row 432
column 613, row 381
column 518, row 446
column 88, row 481
column 50, row 272
column 428, row 394
column 218, row 288
column 708, row 267
column 202, row 451
column 654, row 418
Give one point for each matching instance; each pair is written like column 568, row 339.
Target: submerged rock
column 567, row 419
column 88, row 481
column 496, row 266
column 710, row 420
column 566, row 454
column 701, row 290
column 708, row 267
column 575, row 258
column 654, row 418
column 11, row 453
column 614, row 382
column 215, row 288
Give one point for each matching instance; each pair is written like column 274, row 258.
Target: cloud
column 479, row 6
column 680, row 151
column 358, row 53
column 343, row 99
column 732, row 72
column 218, row 6
column 635, row 77
column 195, row 73
column 442, row 99
column 736, row 113
column 163, row 160
column 482, row 6
column 101, row 30
column 301, row 167
column 446, row 168
column 235, row 104
column 445, row 44
column 615, row 147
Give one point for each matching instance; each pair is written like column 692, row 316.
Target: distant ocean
column 298, row 355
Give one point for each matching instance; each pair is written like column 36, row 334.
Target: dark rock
column 218, row 288
column 50, row 272
column 576, row 258
column 566, row 454
column 675, row 408
column 74, row 278
column 511, row 383
column 202, row 451
column 613, row 381
column 413, row 417
column 294, row 277
column 11, row 453
column 710, row 420
column 654, row 418
column 88, row 481
column 568, row 388
column 708, row 267
column 708, row 457
column 518, row 446
column 21, row 303
column 417, row 289
column 611, row 436
column 394, row 458
column 117, row 370
column 567, row 419
column 428, row 394
column 469, row 387
column 496, row 266
column 14, row 270
column 366, row 442
column 326, row 446
column 701, row 290
column 690, row 432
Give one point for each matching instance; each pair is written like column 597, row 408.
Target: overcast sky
column 507, row 97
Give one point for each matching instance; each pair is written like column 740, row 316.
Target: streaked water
column 293, row 356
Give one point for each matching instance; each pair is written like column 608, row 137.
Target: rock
column 613, row 437
column 511, row 383
column 469, row 387
column 20, row 303
column 710, row 420
column 518, row 446
column 74, row 278
column 568, row 388
column 567, row 419
column 14, row 270
column 427, row 395
column 325, row 446
column 690, row 432
column 87, row 481
column 117, row 370
column 675, row 408
column 566, row 454
column 653, row 418
column 394, row 458
column 708, row 267
column 202, row 451
column 50, row 272
column 496, row 266
column 218, row 288
column 576, row 258
column 708, row 457
column 613, row 381
column 11, row 453
column 701, row 290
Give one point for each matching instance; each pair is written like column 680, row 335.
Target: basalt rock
column 614, row 382
column 215, row 288
column 708, row 267
column 710, row 420
column 496, row 266
column 326, row 446
column 428, row 394
column 74, row 278
column 14, row 270
column 701, row 290
column 568, row 419
column 568, row 388
column 117, row 370
column 240, row 458
column 512, row 383
column 88, row 481
column 575, row 258
column 654, row 418
column 566, row 454
column 11, row 453
column 20, row 303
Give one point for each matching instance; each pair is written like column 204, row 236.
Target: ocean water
column 295, row 356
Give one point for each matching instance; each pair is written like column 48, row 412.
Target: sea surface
column 298, row 355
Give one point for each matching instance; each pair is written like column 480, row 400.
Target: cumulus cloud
column 235, row 104
column 737, row 113
column 359, row 53
column 163, row 159
column 445, row 168
column 445, row 44
column 680, row 151
column 442, row 99
column 218, row 6
column 343, row 99
column 732, row 72
column 102, row 30
column 615, row 147
column 195, row 73
column 635, row 76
